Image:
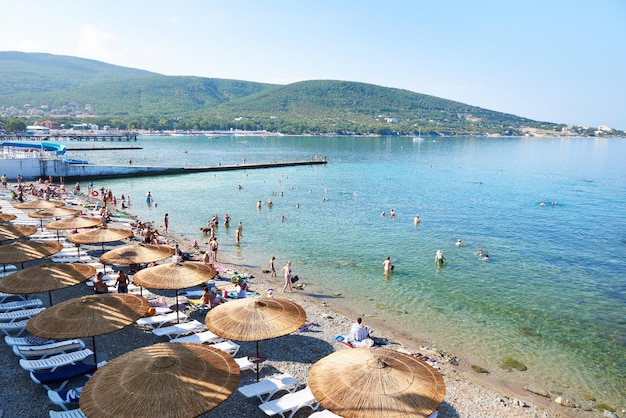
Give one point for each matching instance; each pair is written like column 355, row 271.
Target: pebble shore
column 468, row 394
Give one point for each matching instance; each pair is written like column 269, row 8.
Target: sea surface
column 552, row 295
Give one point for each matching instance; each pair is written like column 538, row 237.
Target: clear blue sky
column 556, row 60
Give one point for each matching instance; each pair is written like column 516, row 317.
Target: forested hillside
column 68, row 89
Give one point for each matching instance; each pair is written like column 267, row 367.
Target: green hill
column 63, row 88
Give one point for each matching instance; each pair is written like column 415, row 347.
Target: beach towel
column 348, row 342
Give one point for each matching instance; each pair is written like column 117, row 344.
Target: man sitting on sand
column 359, row 332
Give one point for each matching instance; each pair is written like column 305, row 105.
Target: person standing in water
column 387, row 266
column 272, row 267
column 166, row 222
column 440, row 258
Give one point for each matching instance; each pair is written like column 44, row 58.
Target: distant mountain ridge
column 138, row 98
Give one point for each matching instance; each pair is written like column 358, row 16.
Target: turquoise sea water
column 553, row 294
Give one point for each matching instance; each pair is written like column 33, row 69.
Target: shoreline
column 468, row 393
column 406, row 340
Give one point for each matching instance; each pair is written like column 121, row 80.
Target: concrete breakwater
column 34, row 168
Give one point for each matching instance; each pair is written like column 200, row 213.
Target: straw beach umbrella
column 162, row 380
column 46, row 278
column 254, row 319
column 174, row 276
column 100, row 235
column 22, row 251
column 54, row 212
column 366, row 382
column 39, row 204
column 137, row 254
column 75, row 222
column 7, row 217
column 88, row 316
column 10, row 232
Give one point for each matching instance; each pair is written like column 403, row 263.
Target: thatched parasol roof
column 9, row 232
column 137, row 254
column 39, row 204
column 88, row 316
column 376, row 382
column 21, row 251
column 75, row 222
column 254, row 319
column 174, row 275
column 161, row 380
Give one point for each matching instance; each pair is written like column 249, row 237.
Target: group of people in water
column 440, row 259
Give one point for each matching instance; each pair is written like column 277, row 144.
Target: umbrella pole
column 177, row 314
column 257, row 360
column 95, row 354
column 50, row 297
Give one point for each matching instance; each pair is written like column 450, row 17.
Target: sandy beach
column 468, row 393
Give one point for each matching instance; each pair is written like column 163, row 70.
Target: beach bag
column 294, row 279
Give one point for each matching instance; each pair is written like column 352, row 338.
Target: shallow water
column 553, row 294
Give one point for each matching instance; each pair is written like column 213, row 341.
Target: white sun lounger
column 324, row 414
column 47, row 350
column 20, row 304
column 198, row 338
column 62, row 398
column 11, row 341
column 13, row 316
column 175, row 331
column 290, row 403
column 227, row 346
column 17, row 327
column 157, row 321
column 5, row 296
column 245, row 364
column 73, row 259
column 74, row 413
column 51, row 363
column 269, row 386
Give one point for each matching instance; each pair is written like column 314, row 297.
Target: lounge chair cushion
column 61, row 375
column 63, row 397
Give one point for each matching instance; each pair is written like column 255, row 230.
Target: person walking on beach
column 4, row 181
column 272, row 267
column 387, row 266
column 122, row 282
column 286, row 272
column 166, row 222
column 213, row 247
